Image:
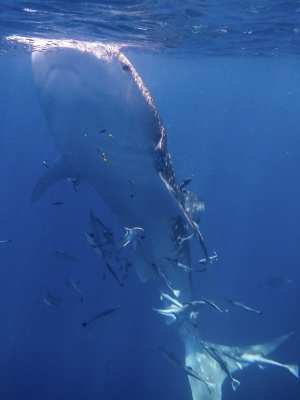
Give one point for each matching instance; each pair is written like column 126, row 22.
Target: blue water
column 225, row 78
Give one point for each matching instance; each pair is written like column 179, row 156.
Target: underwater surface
column 225, row 79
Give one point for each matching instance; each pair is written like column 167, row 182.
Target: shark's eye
column 125, row 67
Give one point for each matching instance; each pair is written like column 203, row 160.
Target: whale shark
column 107, row 129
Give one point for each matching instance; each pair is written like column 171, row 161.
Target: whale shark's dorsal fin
column 59, row 170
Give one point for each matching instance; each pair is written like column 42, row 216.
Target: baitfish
column 100, row 315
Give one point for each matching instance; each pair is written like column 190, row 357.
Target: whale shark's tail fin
column 206, row 366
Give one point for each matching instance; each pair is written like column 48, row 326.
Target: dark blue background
column 233, row 127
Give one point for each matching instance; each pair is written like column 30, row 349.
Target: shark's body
column 90, row 93
column 83, row 93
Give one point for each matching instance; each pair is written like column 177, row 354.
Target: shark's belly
column 106, row 128
column 134, row 191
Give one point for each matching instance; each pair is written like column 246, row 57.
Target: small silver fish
column 242, row 306
column 211, row 258
column 183, row 239
column 223, row 364
column 62, row 256
column 188, row 370
column 75, row 286
column 132, row 235
column 100, row 315
column 51, row 300
column 213, row 304
column 165, row 279
column 184, row 184
column 114, row 274
column 5, row 241
column 180, row 265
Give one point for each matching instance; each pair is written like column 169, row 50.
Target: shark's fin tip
column 59, row 170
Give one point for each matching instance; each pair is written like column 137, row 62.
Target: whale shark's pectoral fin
column 59, row 170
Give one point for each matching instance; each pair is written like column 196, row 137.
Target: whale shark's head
column 103, row 92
